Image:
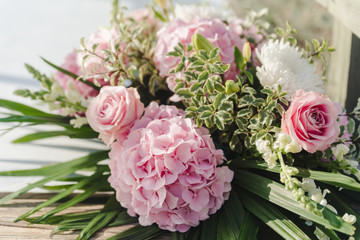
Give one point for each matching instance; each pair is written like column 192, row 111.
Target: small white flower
column 308, row 184
column 270, row 158
column 283, row 65
column 72, row 94
column 78, row 121
column 262, row 145
column 286, row 143
column 349, row 218
column 188, row 12
column 57, row 89
column 339, row 151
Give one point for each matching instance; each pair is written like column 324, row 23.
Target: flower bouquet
column 215, row 128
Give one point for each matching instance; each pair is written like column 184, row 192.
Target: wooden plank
column 338, row 73
column 347, row 11
column 353, row 92
column 22, row 230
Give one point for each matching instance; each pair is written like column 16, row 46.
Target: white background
column 51, row 29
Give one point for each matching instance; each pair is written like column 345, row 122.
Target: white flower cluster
column 283, row 143
column 263, row 147
column 283, row 65
column 339, row 151
column 315, row 193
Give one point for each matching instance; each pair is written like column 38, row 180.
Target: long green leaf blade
column 24, row 109
column 73, row 165
column 77, row 199
column 62, row 194
column 275, row 193
column 249, row 228
column 70, row 74
column 231, row 218
column 138, row 233
column 73, row 133
column 100, row 221
column 272, row 217
column 335, row 179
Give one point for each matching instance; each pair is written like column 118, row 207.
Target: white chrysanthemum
column 283, row 65
column 188, row 12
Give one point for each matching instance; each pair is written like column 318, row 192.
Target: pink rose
column 113, row 112
column 311, row 121
column 166, row 170
column 72, row 66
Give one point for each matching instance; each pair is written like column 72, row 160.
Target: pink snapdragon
column 94, row 65
column 165, row 171
column 311, row 121
column 113, row 112
column 64, row 80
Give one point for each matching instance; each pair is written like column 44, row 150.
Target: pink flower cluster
column 166, row 170
column 92, row 65
column 175, row 31
column 311, row 120
column 72, row 66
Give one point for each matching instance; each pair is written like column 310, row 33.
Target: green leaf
column 93, row 188
column 138, row 233
column 177, row 236
column 330, row 233
column 62, row 194
column 351, row 126
column 184, row 92
column 209, row 228
column 272, row 217
column 70, row 74
column 26, row 110
column 205, row 114
column 100, row 221
column 219, row 99
column 249, row 77
column 267, row 91
column 231, row 218
column 214, row 53
column 276, row 193
column 249, row 228
column 239, row 59
column 203, row 76
column 72, row 133
column 335, row 179
column 70, row 166
column 219, row 121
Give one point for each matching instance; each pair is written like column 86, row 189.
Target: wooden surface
column 338, row 71
column 347, row 11
column 22, row 230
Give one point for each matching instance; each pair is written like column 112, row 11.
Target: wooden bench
column 344, row 70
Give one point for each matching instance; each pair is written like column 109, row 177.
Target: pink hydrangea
column 175, row 31
column 113, row 112
column 166, row 170
column 72, row 66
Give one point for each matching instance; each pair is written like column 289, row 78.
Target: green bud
column 247, row 51
column 231, row 87
column 200, row 42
